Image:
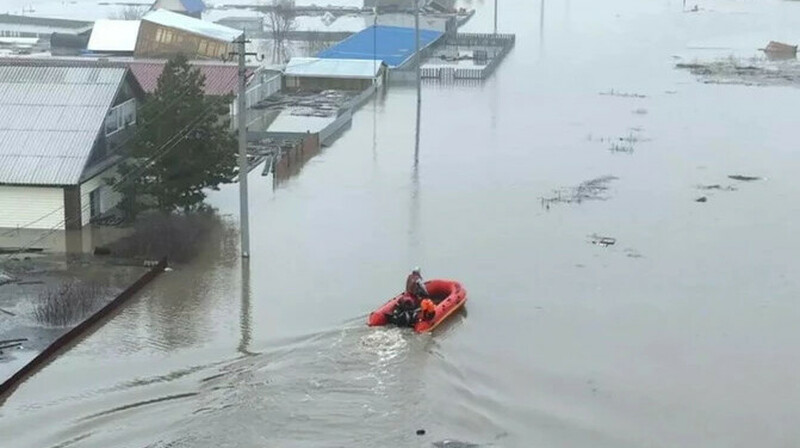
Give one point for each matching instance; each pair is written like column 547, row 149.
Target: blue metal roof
column 395, row 45
column 193, row 6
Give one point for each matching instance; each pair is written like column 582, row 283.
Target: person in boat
column 427, row 310
column 415, row 286
column 406, row 311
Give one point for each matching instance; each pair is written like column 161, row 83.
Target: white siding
column 108, row 197
column 32, row 207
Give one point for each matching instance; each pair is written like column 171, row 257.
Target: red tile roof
column 221, row 79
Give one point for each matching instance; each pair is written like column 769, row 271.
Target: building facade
column 163, row 34
column 61, row 129
column 317, row 74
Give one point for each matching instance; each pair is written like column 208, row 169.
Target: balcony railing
column 121, row 116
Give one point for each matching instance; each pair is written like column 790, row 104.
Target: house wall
column 264, row 86
column 159, row 41
column 21, row 206
column 291, row 163
column 108, row 197
column 304, row 83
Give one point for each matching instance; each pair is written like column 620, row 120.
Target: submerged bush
column 68, row 302
column 177, row 236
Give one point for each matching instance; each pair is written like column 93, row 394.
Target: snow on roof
column 192, row 25
column 114, row 35
column 333, row 68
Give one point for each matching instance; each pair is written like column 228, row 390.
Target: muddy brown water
column 564, row 343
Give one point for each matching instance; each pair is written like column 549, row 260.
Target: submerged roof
column 114, row 35
column 192, row 25
column 49, row 120
column 391, row 44
column 333, row 68
column 221, row 78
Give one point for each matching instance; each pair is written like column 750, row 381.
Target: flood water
column 681, row 333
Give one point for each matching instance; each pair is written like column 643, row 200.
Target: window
column 94, row 203
column 212, row 49
column 121, row 116
column 111, row 122
column 203, row 46
column 159, row 34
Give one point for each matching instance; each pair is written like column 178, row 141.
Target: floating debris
column 756, row 72
column 626, row 144
column 5, row 278
column 779, row 50
column 717, row 187
column 743, row 178
column 626, row 148
column 640, row 111
column 454, row 444
column 632, row 253
column 595, row 189
column 613, row 92
column 604, row 241
column 701, row 199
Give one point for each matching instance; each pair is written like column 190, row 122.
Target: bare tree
column 280, row 21
column 317, row 42
column 129, row 12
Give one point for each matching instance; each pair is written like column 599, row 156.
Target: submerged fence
column 445, row 73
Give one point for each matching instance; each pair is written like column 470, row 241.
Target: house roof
column 221, row 78
column 333, row 68
column 391, row 44
column 43, row 21
column 192, row 25
column 193, row 6
column 114, row 35
column 190, row 6
column 50, row 118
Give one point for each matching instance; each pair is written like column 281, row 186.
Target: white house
column 60, row 127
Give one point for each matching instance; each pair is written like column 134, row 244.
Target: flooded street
column 678, row 329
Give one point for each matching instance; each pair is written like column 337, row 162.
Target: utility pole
column 241, row 120
column 419, row 79
column 495, row 17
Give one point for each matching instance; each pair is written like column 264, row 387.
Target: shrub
column 177, row 236
column 68, row 302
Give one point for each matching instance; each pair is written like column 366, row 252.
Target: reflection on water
column 246, row 319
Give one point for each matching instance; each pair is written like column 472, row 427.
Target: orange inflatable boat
column 449, row 296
